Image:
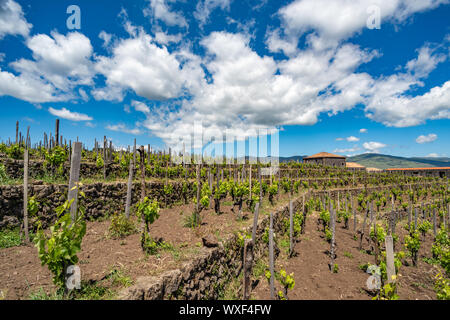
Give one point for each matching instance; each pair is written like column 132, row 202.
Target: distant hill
column 293, row 158
column 382, row 161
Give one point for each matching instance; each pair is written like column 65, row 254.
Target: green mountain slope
column 383, row 161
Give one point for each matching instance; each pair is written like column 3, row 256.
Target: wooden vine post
column 129, row 190
column 104, row 157
column 448, row 213
column 333, row 235
column 255, row 224
column 197, row 207
column 271, row 262
column 434, row 222
column 409, row 215
column 291, row 229
column 415, row 218
column 210, row 181
column 74, row 178
column 134, row 154
column 57, row 132
column 304, row 209
column 17, row 132
column 25, row 194
column 260, row 185
column 250, row 183
column 142, row 158
column 390, row 267
column 354, row 215
column 248, row 263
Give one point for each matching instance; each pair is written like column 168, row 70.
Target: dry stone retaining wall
column 101, row 199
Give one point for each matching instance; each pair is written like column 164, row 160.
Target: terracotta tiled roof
column 354, row 165
column 324, row 155
column 414, row 169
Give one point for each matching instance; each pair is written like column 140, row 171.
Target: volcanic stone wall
column 36, row 169
column 101, row 199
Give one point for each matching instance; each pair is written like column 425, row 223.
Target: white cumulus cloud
column 122, row 128
column 69, row 115
column 12, row 20
column 373, row 147
column 352, row 139
column 160, row 10
column 426, row 139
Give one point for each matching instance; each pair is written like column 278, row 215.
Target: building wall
column 334, row 162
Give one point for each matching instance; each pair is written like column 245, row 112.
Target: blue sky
column 317, row 70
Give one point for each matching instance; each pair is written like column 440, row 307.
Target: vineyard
column 138, row 225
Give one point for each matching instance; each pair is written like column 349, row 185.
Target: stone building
column 326, row 159
column 440, row 172
column 355, row 166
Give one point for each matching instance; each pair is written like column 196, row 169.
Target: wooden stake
column 129, row 189
column 17, row 132
column 271, row 262
column 142, row 157
column 434, row 222
column 57, row 131
column 333, row 236
column 255, row 223
column 291, row 229
column 415, row 218
column 248, row 263
column 390, row 267
column 74, row 178
column 25, row 195
column 134, row 154
column 197, row 207
column 104, row 157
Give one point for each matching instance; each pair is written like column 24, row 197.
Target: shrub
column 273, row 190
column 121, row 227
column 10, row 238
column 99, row 162
column 412, row 243
column 15, row 151
column 59, row 249
column 442, row 287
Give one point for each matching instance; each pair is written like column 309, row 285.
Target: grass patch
column 192, row 221
column 348, row 255
column 121, row 227
column 118, row 277
column 10, row 238
column 419, row 285
column 231, row 290
column 431, row 261
column 259, row 268
column 42, row 295
column 88, row 291
column 285, row 245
